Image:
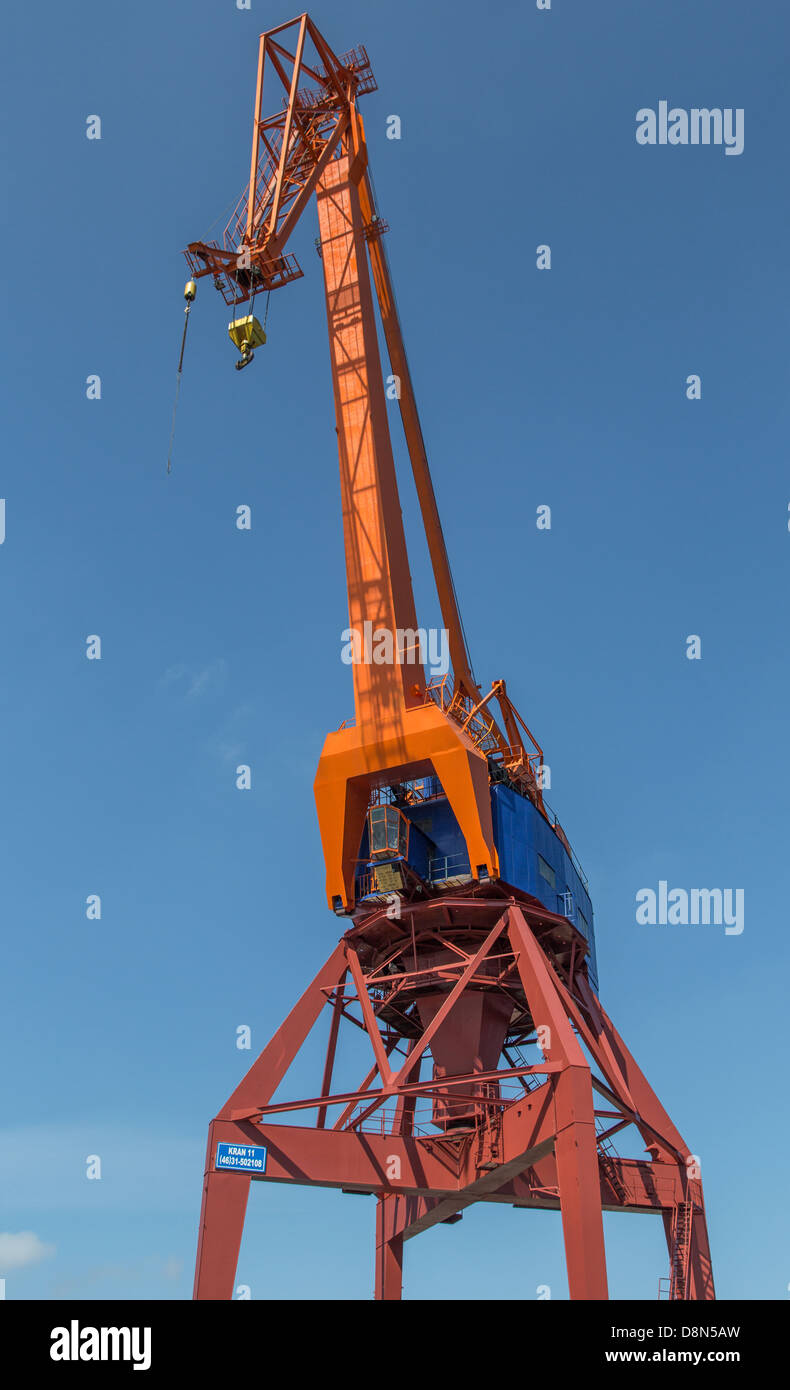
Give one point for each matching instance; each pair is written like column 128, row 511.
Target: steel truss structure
column 547, row 1146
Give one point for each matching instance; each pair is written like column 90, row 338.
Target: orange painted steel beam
column 256, row 122
column 418, row 456
column 396, row 734
column 377, row 565
column 278, row 193
column 465, row 683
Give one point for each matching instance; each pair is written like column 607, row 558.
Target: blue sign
column 241, row 1158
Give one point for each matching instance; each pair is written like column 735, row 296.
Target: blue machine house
column 421, row 837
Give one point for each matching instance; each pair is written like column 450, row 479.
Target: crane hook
column 247, row 355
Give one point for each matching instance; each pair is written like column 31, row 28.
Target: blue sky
column 566, row 388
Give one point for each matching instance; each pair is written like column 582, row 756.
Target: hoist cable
column 178, row 385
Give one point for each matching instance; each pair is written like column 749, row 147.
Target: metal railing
column 448, row 866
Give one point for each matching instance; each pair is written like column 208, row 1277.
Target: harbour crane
column 467, row 958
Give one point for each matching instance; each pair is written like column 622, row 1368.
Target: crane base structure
column 537, row 1133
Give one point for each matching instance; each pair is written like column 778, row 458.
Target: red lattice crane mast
column 469, row 934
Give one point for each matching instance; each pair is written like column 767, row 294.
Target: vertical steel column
column 576, row 1149
column 389, row 1249
column 222, row 1215
column 658, row 1131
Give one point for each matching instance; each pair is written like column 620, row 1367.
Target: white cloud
column 21, row 1249
column 211, row 680
column 191, row 684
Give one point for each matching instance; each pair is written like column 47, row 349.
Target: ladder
column 516, row 1058
column 607, row 1156
column 680, row 1258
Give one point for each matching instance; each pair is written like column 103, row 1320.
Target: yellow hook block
column 246, row 333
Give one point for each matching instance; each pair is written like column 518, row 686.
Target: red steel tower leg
column 221, row 1228
column 389, row 1249
column 575, row 1150
column 701, row 1264
column 690, row 1259
column 225, row 1194
column 692, row 1271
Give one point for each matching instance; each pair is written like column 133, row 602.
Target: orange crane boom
column 404, row 727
